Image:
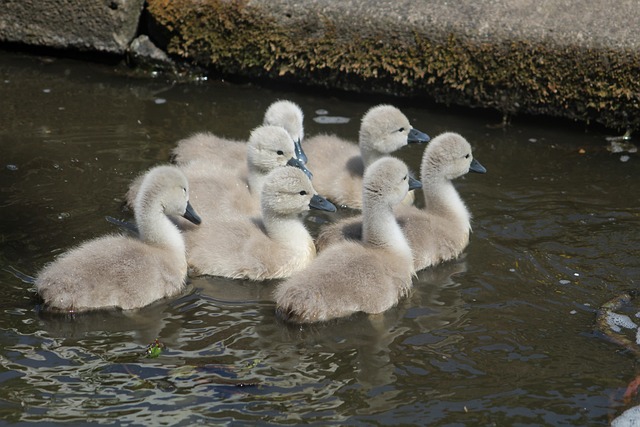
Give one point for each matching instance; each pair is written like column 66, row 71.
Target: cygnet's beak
column 298, row 164
column 475, row 166
column 415, row 136
column 414, row 184
column 300, row 152
column 319, row 202
column 191, row 215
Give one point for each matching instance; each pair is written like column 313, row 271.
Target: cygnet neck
column 155, row 227
column 442, row 199
column 256, row 179
column 285, row 229
column 380, row 228
column 369, row 155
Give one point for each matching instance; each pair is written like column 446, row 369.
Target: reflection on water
column 502, row 336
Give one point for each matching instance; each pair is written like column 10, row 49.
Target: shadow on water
column 503, row 336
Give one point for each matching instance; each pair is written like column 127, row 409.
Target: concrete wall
column 563, row 58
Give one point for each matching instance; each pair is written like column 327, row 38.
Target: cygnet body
column 222, row 153
column 440, row 231
column 121, row 271
column 338, row 165
column 368, row 275
column 270, row 246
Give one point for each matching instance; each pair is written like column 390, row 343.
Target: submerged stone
column 617, row 321
column 144, row 53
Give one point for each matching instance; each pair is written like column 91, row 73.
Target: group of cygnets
column 234, row 209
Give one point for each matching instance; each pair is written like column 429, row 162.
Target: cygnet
column 126, row 272
column 271, row 246
column 368, row 276
column 338, row 165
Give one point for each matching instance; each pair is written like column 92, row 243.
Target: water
column 503, row 336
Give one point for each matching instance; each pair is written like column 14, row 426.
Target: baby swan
column 258, row 248
column 288, row 115
column 125, row 272
column 231, row 154
column 216, row 190
column 338, row 165
column 440, row 231
column 351, row 276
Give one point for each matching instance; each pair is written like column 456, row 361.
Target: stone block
column 84, row 25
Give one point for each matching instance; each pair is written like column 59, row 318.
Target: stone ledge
column 563, row 58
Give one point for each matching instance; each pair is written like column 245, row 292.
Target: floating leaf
column 154, row 349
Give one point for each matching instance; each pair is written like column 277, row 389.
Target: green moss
column 514, row 77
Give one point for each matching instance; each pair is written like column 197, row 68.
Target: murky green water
column 503, row 336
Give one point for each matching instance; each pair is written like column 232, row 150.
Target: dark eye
column 405, row 178
column 303, row 193
column 467, row 156
column 401, row 130
column 279, row 152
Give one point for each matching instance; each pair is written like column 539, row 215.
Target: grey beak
column 319, row 202
column 477, row 167
column 415, row 136
column 192, row 215
column 298, row 164
column 414, row 184
column 300, row 152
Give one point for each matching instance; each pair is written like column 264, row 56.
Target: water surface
column 502, row 336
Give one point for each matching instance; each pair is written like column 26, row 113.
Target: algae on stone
column 234, row 37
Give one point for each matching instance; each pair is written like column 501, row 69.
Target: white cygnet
column 223, row 153
column 338, row 165
column 125, row 272
column 370, row 275
column 271, row 246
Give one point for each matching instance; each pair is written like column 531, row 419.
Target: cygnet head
column 387, row 181
column 288, row 192
column 289, row 116
column 449, row 155
column 385, row 129
column 269, row 147
column 165, row 187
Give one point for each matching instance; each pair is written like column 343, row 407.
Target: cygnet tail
column 124, row 225
column 298, row 304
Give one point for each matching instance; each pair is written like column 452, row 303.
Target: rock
column 85, row 25
column 143, row 53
